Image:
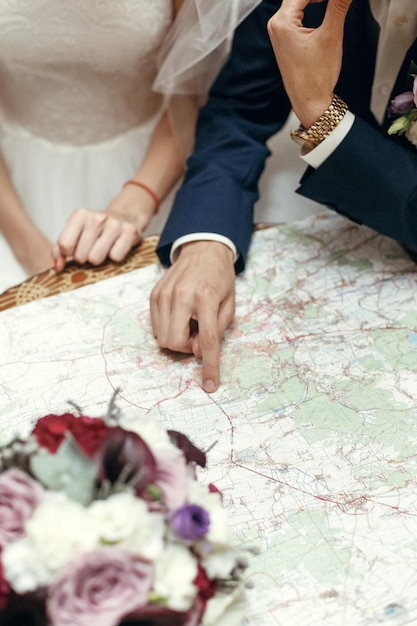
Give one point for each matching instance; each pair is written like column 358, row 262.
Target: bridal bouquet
column 102, row 522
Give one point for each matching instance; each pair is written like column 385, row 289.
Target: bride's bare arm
column 30, row 247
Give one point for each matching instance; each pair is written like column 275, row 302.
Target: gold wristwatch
column 311, row 137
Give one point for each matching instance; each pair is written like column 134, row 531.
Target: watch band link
column 326, row 123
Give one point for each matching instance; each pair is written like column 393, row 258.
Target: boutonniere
column 405, row 105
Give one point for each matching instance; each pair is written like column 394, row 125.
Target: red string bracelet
column 148, row 190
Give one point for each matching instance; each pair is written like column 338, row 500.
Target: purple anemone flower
column 190, row 522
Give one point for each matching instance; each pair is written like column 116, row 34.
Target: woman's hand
column 92, row 236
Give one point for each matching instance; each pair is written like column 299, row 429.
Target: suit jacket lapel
column 357, row 79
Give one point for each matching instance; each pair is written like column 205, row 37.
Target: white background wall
column 278, row 201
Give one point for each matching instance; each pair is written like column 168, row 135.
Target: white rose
column 59, row 529
column 23, row 568
column 150, row 430
column 226, row 609
column 218, row 563
column 175, row 571
column 125, row 520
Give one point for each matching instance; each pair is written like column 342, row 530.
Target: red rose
column 213, row 489
column 206, row 587
column 50, row 430
column 89, row 432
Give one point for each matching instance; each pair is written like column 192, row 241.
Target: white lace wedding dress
column 77, row 111
column 76, row 105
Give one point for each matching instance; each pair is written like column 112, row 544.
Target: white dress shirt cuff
column 175, row 249
column 318, row 155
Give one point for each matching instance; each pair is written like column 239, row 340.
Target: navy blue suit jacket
column 371, row 177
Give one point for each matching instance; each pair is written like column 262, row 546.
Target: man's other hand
column 309, row 59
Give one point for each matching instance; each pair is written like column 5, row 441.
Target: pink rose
column 19, row 497
column 101, row 587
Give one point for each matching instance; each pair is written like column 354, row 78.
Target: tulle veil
column 194, row 50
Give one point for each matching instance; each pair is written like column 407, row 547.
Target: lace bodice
column 80, row 71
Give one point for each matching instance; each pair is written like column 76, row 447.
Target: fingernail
column 56, row 265
column 209, row 386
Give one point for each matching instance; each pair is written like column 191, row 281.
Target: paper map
column 314, row 424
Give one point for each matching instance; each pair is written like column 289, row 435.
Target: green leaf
column 69, row 471
column 399, row 126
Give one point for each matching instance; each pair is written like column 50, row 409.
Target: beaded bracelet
column 148, row 190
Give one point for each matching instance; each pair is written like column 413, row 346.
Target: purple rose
column 101, row 587
column 19, row 497
column 190, row 522
column 402, row 103
column 415, row 91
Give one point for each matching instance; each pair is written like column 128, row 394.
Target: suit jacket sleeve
column 247, row 104
column 372, row 180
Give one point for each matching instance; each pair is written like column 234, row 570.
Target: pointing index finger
column 209, row 346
